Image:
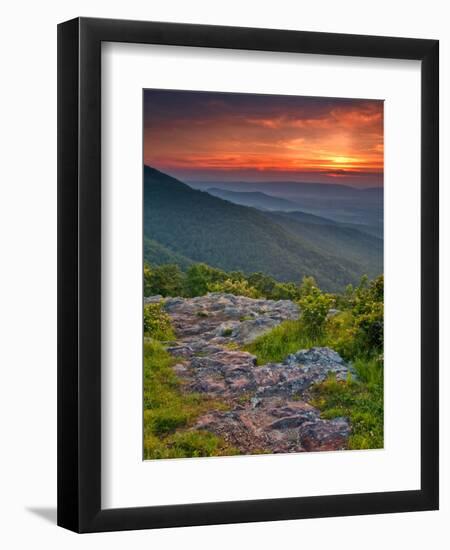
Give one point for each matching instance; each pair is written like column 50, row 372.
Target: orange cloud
column 279, row 134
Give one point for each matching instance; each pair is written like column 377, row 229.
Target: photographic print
column 263, row 274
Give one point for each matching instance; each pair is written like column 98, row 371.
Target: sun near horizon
column 220, row 137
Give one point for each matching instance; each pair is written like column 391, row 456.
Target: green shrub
column 236, row 287
column 314, row 310
column 157, row 323
column 198, row 277
column 370, row 324
column 368, row 308
column 284, row 291
column 307, row 287
column 167, row 280
column 341, row 334
column 264, row 284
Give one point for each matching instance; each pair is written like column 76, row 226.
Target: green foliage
column 358, row 330
column 341, row 335
column 199, row 276
column 166, row 280
column 169, row 280
column 314, row 306
column 345, row 332
column 367, row 303
column 370, row 314
column 308, row 286
column 268, row 287
column 361, row 401
column 186, row 444
column 237, row 287
column 147, row 280
column 370, row 371
column 157, row 323
column 284, row 291
column 264, row 284
column 167, row 410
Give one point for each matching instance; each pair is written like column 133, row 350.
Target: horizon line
column 261, row 181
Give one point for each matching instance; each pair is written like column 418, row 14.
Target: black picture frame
column 79, row 274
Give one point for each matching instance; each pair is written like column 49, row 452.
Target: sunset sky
column 219, row 137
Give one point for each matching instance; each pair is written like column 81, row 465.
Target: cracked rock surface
column 268, row 404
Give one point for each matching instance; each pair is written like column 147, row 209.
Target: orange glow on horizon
column 327, row 139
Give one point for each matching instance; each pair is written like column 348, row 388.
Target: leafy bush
column 237, row 287
column 370, row 325
column 157, row 323
column 284, row 291
column 199, row 276
column 263, row 283
column 368, row 309
column 314, row 307
column 341, row 334
column 167, row 280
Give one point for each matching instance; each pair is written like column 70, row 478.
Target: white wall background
column 28, row 274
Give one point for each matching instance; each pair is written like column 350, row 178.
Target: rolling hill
column 183, row 225
column 359, row 247
column 156, row 253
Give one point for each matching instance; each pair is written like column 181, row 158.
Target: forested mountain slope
column 182, row 225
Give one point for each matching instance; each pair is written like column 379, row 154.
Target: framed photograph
column 248, row 275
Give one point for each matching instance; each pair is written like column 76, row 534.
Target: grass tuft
column 167, row 410
column 275, row 345
column 360, row 400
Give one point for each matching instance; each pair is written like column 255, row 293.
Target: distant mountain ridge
column 187, row 225
column 256, row 199
column 278, row 186
column 337, row 202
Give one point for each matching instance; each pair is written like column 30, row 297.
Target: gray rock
column 247, row 331
column 325, row 435
column 153, row 299
column 182, row 350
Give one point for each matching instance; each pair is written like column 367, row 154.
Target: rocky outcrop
column 268, row 404
column 275, row 425
column 223, row 318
